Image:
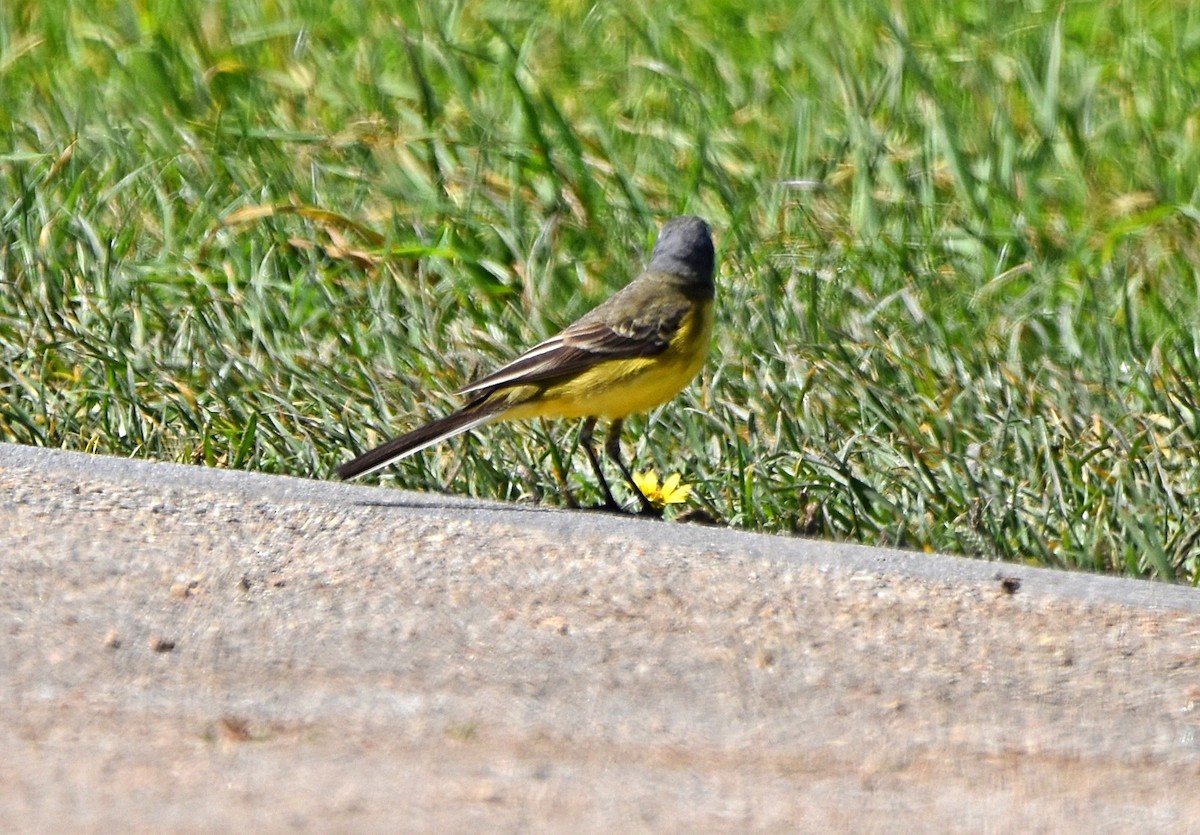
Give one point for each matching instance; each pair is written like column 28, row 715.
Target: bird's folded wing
column 582, row 346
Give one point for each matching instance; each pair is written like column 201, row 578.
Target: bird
column 633, row 352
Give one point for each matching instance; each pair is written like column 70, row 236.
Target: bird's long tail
column 416, row 440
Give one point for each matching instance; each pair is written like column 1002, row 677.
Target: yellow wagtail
column 636, row 350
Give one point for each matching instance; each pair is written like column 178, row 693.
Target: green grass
column 959, row 304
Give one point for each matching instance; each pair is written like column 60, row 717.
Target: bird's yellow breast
column 617, row 388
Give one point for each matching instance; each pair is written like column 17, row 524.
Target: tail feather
column 414, row 441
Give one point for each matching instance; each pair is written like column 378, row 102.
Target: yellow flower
column 671, row 491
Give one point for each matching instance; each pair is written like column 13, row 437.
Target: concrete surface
column 191, row 650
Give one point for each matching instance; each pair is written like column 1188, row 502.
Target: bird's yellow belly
column 623, row 387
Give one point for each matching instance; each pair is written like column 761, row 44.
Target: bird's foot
column 647, row 512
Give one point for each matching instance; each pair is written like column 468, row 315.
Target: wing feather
column 589, row 341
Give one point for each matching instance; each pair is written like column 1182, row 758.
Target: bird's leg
column 613, row 447
column 585, row 438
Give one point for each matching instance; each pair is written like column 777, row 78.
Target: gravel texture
column 191, row 650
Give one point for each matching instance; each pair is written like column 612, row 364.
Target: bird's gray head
column 684, row 248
